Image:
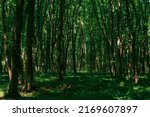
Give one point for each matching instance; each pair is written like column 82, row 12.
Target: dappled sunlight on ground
column 86, row 86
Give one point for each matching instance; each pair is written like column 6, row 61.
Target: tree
column 16, row 51
column 5, row 40
column 60, row 39
column 30, row 36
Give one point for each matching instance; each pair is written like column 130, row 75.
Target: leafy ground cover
column 85, row 87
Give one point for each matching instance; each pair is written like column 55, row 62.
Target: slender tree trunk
column 119, row 41
column 48, row 61
column 1, row 57
column 16, row 51
column 1, row 53
column 30, row 35
column 130, row 28
column 60, row 39
column 5, row 40
column 146, row 52
column 73, row 45
column 40, row 33
column 113, row 63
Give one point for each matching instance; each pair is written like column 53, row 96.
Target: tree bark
column 16, row 51
column 29, row 40
column 5, row 40
column 60, row 39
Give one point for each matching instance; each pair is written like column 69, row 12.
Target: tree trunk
column 30, row 35
column 5, row 40
column 1, row 53
column 16, row 51
column 60, row 39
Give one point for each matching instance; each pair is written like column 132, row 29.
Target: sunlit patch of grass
column 122, row 84
column 147, row 89
column 141, row 88
column 123, row 98
column 107, row 79
column 27, row 94
column 43, row 79
column 136, row 88
column 1, row 93
column 3, row 89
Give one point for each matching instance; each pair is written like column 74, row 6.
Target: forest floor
column 85, row 86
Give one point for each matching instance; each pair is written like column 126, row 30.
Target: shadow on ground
column 91, row 87
column 86, row 87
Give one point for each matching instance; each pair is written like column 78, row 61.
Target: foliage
column 58, row 37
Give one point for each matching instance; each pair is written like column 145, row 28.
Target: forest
column 75, row 49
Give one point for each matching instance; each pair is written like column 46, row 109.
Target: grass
column 85, row 86
column 4, row 81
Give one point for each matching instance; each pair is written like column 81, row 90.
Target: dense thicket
column 60, row 36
